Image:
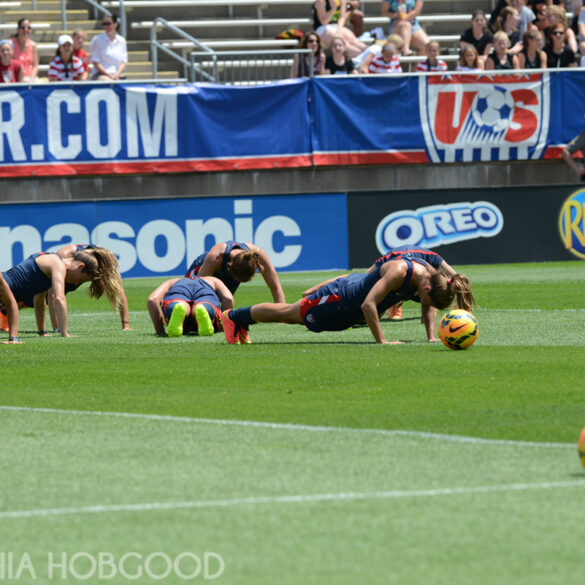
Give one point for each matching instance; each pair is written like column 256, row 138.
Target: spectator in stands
column 432, row 62
column 478, row 35
column 356, row 17
column 301, row 65
column 109, row 55
column 557, row 15
column 558, row 53
column 329, row 22
column 500, row 58
column 403, row 21
column 539, row 9
column 375, row 50
column 65, row 66
column 338, row 63
column 575, row 6
column 532, row 56
column 581, row 31
column 25, row 50
column 527, row 17
column 11, row 70
column 469, row 60
column 79, row 37
column 387, row 61
column 508, row 23
column 497, row 9
column 577, row 144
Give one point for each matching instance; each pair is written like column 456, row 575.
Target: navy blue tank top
column 353, row 290
column 223, row 273
column 27, row 280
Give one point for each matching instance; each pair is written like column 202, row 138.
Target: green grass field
column 304, row 458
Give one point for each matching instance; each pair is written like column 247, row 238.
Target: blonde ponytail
column 444, row 289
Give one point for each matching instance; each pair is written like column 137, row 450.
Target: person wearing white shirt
column 109, row 55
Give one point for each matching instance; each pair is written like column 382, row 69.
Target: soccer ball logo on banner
column 483, row 118
column 492, row 110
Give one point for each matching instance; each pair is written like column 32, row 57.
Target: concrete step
column 50, row 15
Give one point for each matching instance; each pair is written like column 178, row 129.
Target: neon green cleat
column 175, row 328
column 204, row 324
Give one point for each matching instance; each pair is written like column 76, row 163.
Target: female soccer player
column 189, row 304
column 237, row 262
column 351, row 299
column 69, row 251
column 8, row 302
column 432, row 258
column 40, row 272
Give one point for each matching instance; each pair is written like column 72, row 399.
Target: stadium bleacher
column 221, row 25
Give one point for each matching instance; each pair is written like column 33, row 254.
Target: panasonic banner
column 162, row 237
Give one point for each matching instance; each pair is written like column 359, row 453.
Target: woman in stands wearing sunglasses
column 301, row 67
column 558, row 53
column 109, row 55
column 25, row 50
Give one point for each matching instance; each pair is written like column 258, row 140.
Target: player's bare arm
column 392, row 277
column 213, row 260
column 153, row 305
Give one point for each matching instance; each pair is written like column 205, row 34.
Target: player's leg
column 175, row 313
column 204, row 314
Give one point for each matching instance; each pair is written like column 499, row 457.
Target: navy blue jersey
column 432, row 258
column 27, row 280
column 223, row 273
column 193, row 290
column 338, row 305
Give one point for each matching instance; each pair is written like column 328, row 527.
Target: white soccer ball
column 493, row 108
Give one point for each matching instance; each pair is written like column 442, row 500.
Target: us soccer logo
column 484, row 118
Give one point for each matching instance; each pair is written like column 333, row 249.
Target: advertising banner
column 374, row 119
column 162, row 237
column 470, row 226
column 92, row 129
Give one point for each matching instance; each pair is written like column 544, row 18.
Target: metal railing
column 97, row 9
column 247, row 67
column 156, row 46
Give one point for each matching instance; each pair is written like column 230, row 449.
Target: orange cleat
column 395, row 312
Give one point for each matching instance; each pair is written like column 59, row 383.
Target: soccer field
column 304, row 458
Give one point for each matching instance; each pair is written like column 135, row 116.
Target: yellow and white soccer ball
column 458, row 329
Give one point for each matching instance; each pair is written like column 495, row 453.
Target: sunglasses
column 25, row 27
column 107, row 23
column 558, row 33
column 312, row 41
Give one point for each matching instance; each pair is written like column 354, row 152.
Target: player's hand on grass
column 12, row 342
column 386, row 342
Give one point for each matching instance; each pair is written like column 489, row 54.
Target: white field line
column 290, row 427
column 290, row 499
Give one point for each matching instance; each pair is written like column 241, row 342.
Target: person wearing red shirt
column 79, row 37
column 10, row 69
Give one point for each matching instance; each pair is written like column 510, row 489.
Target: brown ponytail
column 245, row 264
column 102, row 266
column 444, row 289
